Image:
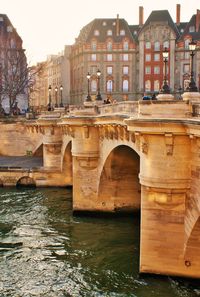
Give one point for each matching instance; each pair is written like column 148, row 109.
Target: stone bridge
column 121, row 158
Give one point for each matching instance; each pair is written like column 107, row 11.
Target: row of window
column 109, row 85
column 156, row 45
column 156, row 86
column 109, row 70
column 125, row 70
column 156, row 57
column 110, row 32
column 153, row 70
column 109, row 57
column 110, row 45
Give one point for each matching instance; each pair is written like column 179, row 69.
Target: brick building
column 13, row 66
column 130, row 56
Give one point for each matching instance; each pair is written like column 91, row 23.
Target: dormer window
column 9, row 29
column 94, row 46
column 96, row 33
column 114, row 23
column 122, row 32
column 109, row 46
column 191, row 29
column 125, row 45
column 104, row 23
column 109, row 33
column 187, row 41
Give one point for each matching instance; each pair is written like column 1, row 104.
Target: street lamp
column 56, row 96
column 61, row 89
column 192, row 85
column 88, row 95
column 49, row 104
column 165, row 88
column 98, row 97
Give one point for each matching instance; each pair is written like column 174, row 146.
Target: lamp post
column 49, row 104
column 88, row 80
column 192, row 85
column 56, row 96
column 165, row 88
column 61, row 102
column 98, row 97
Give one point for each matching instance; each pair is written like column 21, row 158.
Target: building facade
column 13, row 67
column 109, row 46
column 130, row 56
column 38, row 92
column 59, row 77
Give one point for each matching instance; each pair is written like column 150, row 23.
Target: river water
column 46, row 251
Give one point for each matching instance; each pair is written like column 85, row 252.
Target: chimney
column 178, row 14
column 197, row 20
column 141, row 15
column 117, row 25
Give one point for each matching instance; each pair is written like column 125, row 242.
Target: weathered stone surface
column 123, row 162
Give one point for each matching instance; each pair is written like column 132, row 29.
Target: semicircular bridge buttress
column 119, row 187
column 67, row 164
column 26, row 181
column 192, row 233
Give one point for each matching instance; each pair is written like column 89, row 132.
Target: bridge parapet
column 164, row 109
column 143, row 109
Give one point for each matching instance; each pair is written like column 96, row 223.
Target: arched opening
column 192, row 247
column 39, row 151
column 67, row 164
column 119, row 184
column 26, row 181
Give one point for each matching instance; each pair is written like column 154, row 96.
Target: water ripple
column 46, row 252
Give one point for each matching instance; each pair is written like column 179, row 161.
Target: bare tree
column 16, row 76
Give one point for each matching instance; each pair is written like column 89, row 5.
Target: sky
column 45, row 26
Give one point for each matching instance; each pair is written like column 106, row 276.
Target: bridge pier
column 52, row 142
column 165, row 177
column 85, row 158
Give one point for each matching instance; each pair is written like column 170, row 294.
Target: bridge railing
column 126, row 107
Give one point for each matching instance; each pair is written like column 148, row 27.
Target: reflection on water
column 45, row 251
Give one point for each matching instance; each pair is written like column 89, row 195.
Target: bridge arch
column 26, row 181
column 38, row 152
column 119, row 186
column 67, row 163
column 192, row 246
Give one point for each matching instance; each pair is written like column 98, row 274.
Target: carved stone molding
column 71, row 132
column 116, row 135
column 86, row 131
column 132, row 136
column 169, row 143
column 110, row 132
column 53, row 148
column 117, row 132
column 137, row 140
column 42, row 130
column 87, row 162
column 144, row 145
column 121, row 132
